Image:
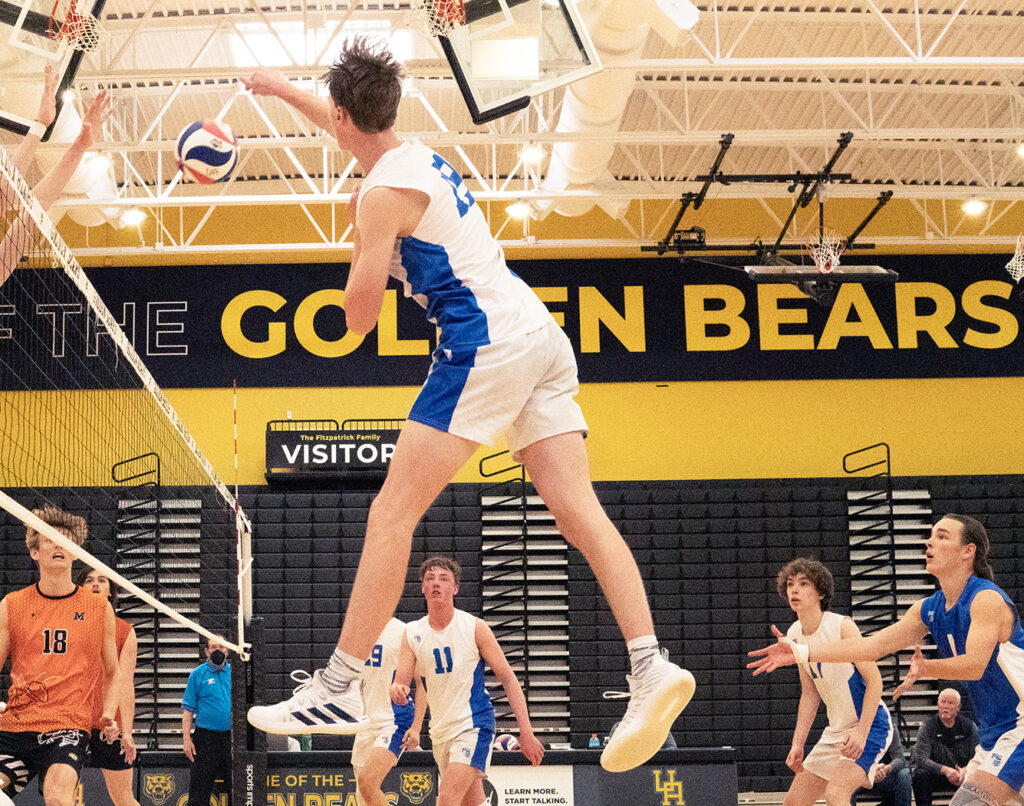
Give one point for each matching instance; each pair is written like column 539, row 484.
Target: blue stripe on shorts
column 1012, row 771
column 435, row 405
column 484, row 738
column 876, row 743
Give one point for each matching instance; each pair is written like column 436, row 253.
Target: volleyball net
column 85, row 428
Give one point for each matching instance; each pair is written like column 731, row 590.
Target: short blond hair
column 72, row 526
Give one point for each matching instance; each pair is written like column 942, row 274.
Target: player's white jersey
column 378, row 676
column 451, row 264
column 840, row 685
column 451, row 672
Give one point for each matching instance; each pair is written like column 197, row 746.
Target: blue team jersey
column 996, row 697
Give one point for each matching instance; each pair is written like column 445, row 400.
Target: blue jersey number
column 463, row 198
column 811, row 666
column 445, row 666
column 375, row 657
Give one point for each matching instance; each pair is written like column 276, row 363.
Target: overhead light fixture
column 68, row 96
column 133, row 216
column 519, row 209
column 974, row 207
column 1020, row 150
column 533, row 154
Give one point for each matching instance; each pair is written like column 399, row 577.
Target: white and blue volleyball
column 506, row 742
column 207, row 152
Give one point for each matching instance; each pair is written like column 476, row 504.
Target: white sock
column 341, row 670
column 642, row 651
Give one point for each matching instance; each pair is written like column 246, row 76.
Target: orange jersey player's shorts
column 56, row 660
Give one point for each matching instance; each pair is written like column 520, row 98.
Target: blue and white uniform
column 451, row 673
column 998, row 697
column 500, row 355
column 388, row 722
column 841, row 687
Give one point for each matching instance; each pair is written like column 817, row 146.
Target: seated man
column 892, row 777
column 945, row 743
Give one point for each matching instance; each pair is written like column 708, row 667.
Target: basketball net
column 436, row 17
column 74, row 27
column 825, row 249
column 1016, row 265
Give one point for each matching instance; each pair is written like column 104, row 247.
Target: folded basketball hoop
column 75, row 27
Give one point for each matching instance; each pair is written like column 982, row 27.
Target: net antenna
column 71, row 24
column 1016, row 265
column 85, row 427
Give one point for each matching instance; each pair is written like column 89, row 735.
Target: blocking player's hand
column 913, row 673
column 531, row 747
column 92, row 123
column 411, row 740
column 266, row 82
column 128, row 748
column 772, row 657
column 109, row 730
column 399, row 694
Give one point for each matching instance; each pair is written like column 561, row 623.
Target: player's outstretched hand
column 531, row 747
column 913, row 673
column 772, row 657
column 266, row 82
column 92, row 123
column 109, row 730
column 48, row 103
column 411, row 740
column 399, row 694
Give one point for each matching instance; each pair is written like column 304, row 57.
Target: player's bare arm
column 491, row 652
column 26, row 149
column 853, row 745
column 274, row 84
column 111, row 679
column 805, row 713
column 126, row 701
column 5, row 633
column 403, row 674
column 908, row 631
column 411, row 740
column 383, row 215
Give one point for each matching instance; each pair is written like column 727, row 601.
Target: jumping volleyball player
column 978, row 639
column 502, row 365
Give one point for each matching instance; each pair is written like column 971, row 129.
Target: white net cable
column 84, row 427
column 1016, row 265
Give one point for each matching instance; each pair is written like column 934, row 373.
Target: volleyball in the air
column 207, row 152
column 506, row 742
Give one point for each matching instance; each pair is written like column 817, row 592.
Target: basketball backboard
column 820, row 286
column 508, row 51
column 26, row 48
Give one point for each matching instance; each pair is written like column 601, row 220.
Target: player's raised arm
column 274, row 84
column 26, row 149
column 491, row 652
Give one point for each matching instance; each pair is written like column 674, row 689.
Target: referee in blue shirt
column 207, row 701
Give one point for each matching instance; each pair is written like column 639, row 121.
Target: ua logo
column 463, row 198
column 79, row 616
column 670, row 789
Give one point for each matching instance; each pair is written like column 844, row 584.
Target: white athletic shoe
column 313, row 709
column 656, row 697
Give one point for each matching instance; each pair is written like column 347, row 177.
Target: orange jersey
column 56, row 660
column 121, row 631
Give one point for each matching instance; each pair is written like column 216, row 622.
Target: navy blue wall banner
column 654, row 320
